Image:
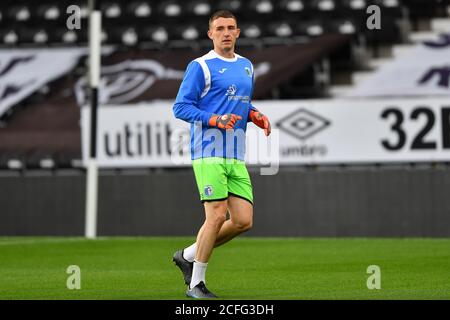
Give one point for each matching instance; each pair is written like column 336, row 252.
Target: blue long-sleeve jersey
column 212, row 85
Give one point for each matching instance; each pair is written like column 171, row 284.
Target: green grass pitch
column 246, row 268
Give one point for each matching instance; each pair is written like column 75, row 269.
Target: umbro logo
column 302, row 124
column 223, row 70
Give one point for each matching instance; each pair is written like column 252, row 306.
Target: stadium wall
column 330, row 202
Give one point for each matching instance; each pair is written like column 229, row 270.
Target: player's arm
column 255, row 116
column 186, row 102
column 185, row 107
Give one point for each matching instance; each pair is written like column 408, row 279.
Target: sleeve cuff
column 205, row 119
column 250, row 110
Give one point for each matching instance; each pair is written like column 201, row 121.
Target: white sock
column 189, row 252
column 198, row 274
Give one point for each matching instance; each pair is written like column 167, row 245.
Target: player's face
column 224, row 32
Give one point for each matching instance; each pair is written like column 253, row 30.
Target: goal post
column 95, row 31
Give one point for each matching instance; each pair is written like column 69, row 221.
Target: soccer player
column 215, row 97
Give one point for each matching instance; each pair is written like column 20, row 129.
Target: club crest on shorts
column 208, row 190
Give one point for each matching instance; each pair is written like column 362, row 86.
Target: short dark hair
column 221, row 14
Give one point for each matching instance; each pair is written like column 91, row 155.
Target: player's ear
column 238, row 32
column 210, row 34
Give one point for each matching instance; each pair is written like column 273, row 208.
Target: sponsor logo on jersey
column 231, row 93
column 231, row 90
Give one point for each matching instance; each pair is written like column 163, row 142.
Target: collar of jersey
column 212, row 52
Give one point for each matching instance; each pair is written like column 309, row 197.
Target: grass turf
column 246, row 268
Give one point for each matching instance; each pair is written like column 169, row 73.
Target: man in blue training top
column 215, row 97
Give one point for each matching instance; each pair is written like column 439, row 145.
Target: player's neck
column 225, row 54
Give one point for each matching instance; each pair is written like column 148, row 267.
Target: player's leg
column 215, row 215
column 240, row 202
column 241, row 220
column 240, row 205
column 212, row 185
column 184, row 259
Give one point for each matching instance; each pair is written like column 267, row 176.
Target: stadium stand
column 42, row 131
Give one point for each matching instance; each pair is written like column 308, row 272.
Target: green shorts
column 218, row 177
